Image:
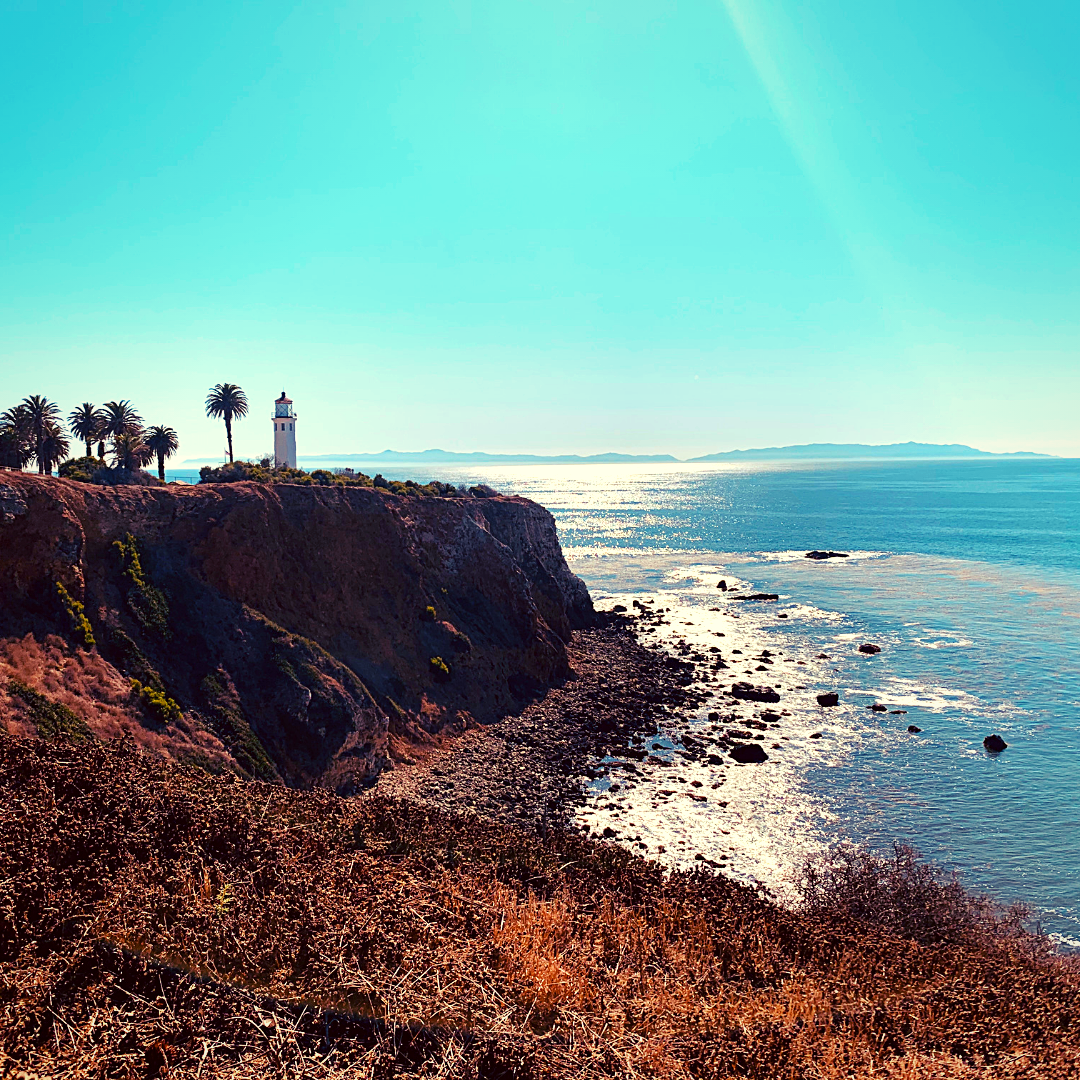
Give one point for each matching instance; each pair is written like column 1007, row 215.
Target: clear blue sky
column 648, row 227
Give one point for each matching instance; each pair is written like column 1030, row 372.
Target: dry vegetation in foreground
column 159, row 922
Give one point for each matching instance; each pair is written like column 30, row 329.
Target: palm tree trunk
column 100, row 450
column 228, row 433
column 89, row 447
column 161, row 467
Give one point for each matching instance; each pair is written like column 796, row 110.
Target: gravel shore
column 528, row 769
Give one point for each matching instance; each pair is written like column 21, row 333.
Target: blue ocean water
column 966, row 573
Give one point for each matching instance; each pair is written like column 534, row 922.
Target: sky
column 548, row 227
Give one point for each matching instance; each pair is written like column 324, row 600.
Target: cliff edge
column 300, row 634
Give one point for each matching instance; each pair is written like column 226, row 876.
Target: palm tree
column 53, row 448
column 41, row 413
column 85, row 424
column 162, row 441
column 130, row 452
column 15, row 449
column 227, row 400
column 117, row 418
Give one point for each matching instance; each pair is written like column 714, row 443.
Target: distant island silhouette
column 805, row 452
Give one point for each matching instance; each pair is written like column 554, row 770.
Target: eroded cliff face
column 291, row 626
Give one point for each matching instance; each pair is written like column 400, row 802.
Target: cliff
column 296, row 633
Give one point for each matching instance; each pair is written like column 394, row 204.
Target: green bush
column 76, row 612
column 439, row 669
column 50, row 717
column 429, row 614
column 156, row 702
column 83, row 469
column 148, row 605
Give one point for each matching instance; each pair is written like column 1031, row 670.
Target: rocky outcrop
column 819, row 555
column 748, row 692
column 307, row 631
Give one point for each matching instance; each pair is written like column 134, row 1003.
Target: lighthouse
column 284, row 433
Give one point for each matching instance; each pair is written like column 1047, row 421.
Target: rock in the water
column 913, row 729
column 994, row 743
column 826, row 555
column 758, row 596
column 722, row 584
column 869, row 648
column 818, row 735
column 748, row 692
column 877, row 708
column 749, row 753
column 832, row 698
column 619, row 607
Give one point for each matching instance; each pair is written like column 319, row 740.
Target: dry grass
column 158, row 922
column 99, row 694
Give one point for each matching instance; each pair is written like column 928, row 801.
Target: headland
column 286, row 779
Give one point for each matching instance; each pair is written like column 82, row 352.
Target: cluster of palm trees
column 33, row 431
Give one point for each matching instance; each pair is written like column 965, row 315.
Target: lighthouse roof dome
column 284, row 398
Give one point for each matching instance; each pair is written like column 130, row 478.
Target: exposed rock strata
column 289, row 623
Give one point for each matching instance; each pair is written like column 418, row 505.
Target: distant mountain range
column 824, row 451
column 806, row 452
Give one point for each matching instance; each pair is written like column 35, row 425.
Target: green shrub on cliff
column 234, row 731
column 76, row 612
column 147, row 604
column 50, row 717
column 156, row 702
column 261, row 473
column 428, row 614
column 83, row 469
column 439, row 669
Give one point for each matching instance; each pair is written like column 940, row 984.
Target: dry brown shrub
column 156, row 921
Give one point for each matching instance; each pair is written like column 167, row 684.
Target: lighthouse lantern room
column 284, row 433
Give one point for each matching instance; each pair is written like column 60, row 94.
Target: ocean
column 965, row 573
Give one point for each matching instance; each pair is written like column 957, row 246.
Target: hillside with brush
column 159, row 922
column 296, row 634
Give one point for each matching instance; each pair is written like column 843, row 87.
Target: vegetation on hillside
column 263, row 472
column 156, row 921
column 33, row 432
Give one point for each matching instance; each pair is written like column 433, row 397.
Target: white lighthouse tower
column 284, row 433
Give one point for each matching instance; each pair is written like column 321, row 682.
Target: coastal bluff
column 304, row 635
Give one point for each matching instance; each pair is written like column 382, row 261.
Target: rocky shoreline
column 528, row 769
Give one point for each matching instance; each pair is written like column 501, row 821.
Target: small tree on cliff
column 85, row 423
column 227, row 400
column 130, row 452
column 117, row 418
column 44, row 420
column 162, row 443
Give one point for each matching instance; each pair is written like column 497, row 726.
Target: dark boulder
column 826, row 555
column 877, row 708
column 753, row 693
column 758, row 596
column 722, row 584
column 829, row 699
column 994, row 744
column 749, row 753
column 869, row 648
column 913, row 729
